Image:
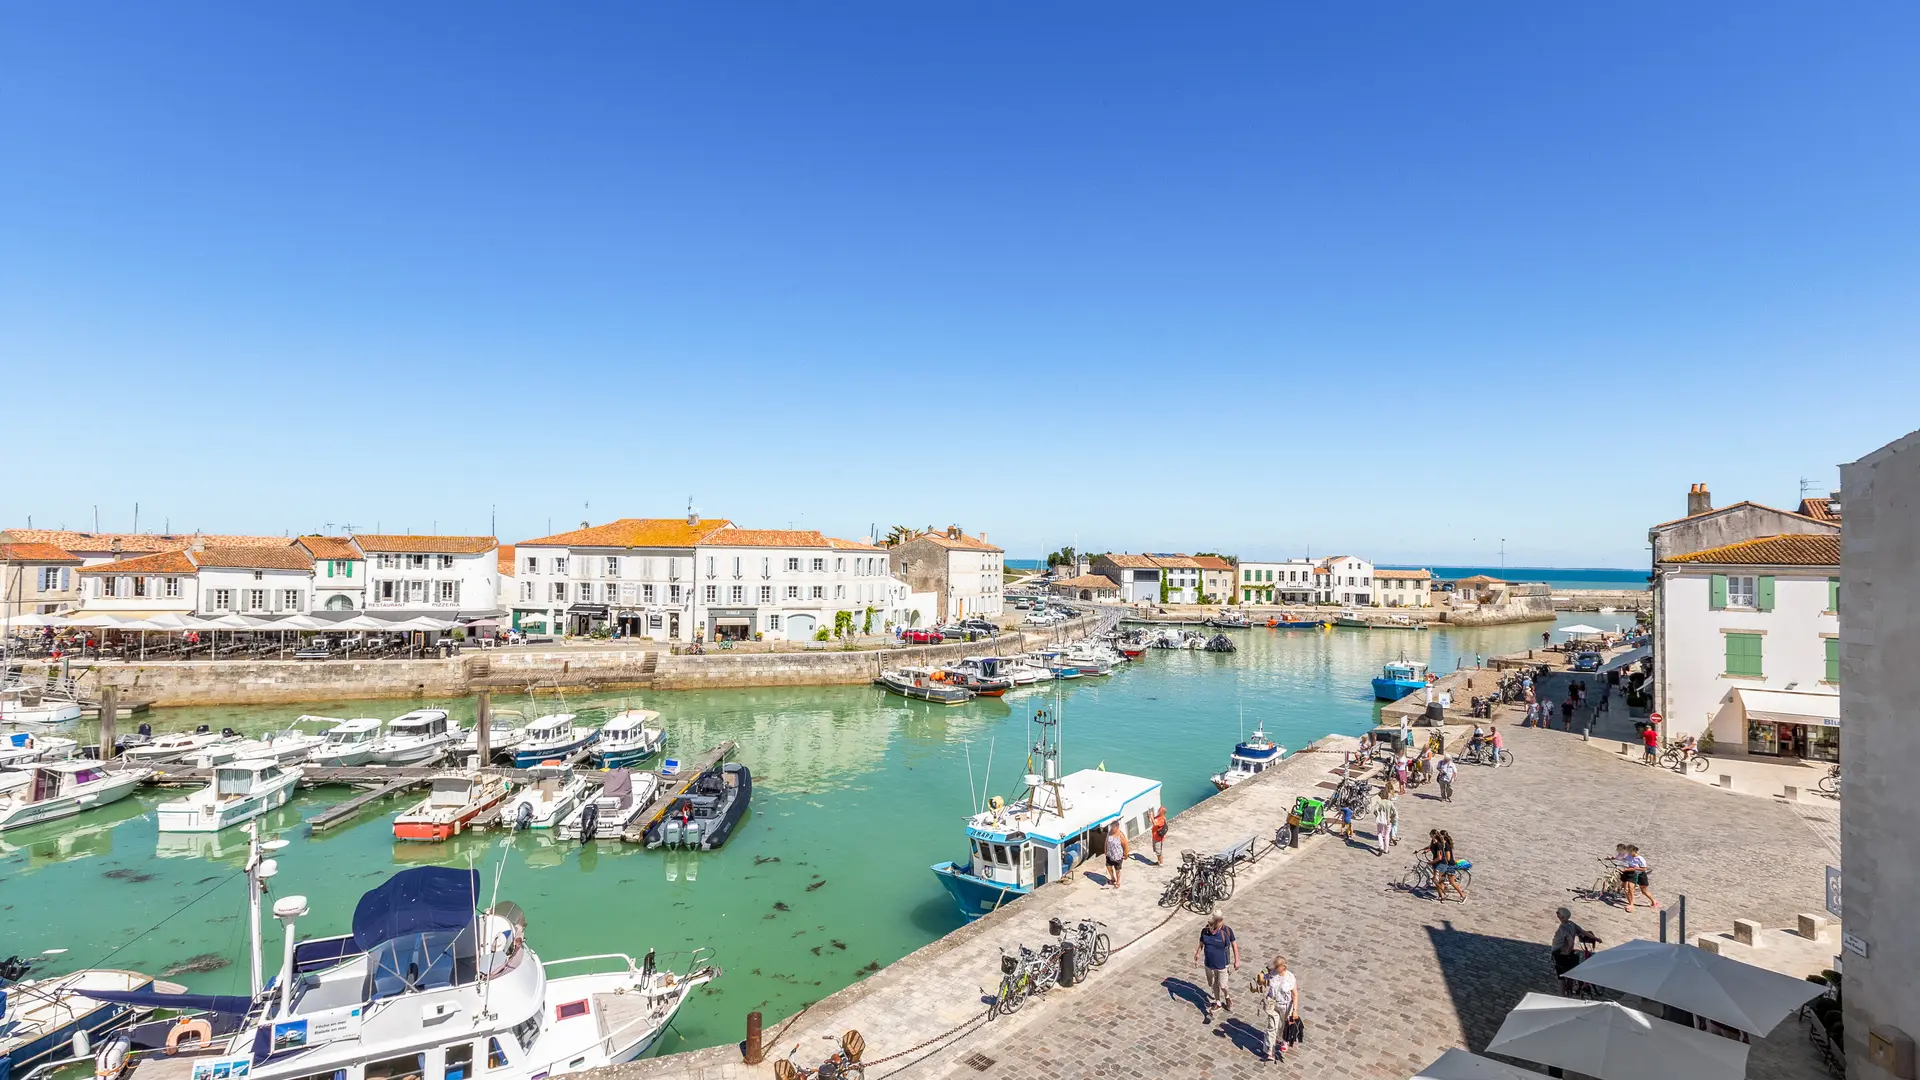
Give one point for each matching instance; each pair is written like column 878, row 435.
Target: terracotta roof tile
column 330, row 547
column 1211, row 562
column 1130, row 562
column 852, row 545
column 1421, row 575
column 1086, row 581
column 1820, row 509
column 1785, row 550
column 1481, row 579
column 506, row 560
column 35, row 552
column 164, row 562
column 963, row 542
column 431, row 545
column 768, row 538
column 636, row 533
column 289, row 557
column 1175, row 562
column 132, row 543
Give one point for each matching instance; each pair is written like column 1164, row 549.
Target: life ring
column 188, row 1026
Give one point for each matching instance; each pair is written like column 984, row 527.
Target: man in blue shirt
column 1220, row 950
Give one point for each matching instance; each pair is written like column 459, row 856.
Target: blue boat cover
column 417, row 900
column 231, row 1004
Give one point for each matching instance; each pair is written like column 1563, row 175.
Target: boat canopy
column 412, row 901
column 619, row 787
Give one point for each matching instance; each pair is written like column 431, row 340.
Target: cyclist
column 1473, row 744
column 1446, row 868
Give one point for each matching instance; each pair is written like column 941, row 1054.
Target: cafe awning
column 1791, row 707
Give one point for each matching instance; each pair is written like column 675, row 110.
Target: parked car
column 923, row 635
column 1586, row 661
column 981, row 625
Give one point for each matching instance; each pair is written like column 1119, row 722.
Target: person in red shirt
column 1650, row 736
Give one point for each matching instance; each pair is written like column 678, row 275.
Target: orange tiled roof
column 1481, row 579
column 163, row 562
column 1211, row 562
column 330, row 547
column 851, row 545
column 636, row 533
column 132, row 543
column 1420, row 575
column 506, row 560
column 1086, row 581
column 289, row 557
column 38, row 553
column 1785, row 550
column 1175, row 562
column 963, row 542
column 1820, row 510
column 807, row 538
column 1321, row 570
column 1131, row 562
column 430, row 545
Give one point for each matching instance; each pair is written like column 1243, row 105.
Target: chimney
column 693, row 517
column 953, row 532
column 983, row 537
column 1699, row 501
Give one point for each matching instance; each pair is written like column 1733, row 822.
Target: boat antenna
column 972, row 801
column 986, row 780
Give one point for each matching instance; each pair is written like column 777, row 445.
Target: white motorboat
column 629, row 738
column 416, row 738
column 1090, row 659
column 542, row 804
column 554, row 737
column 506, row 730
column 19, row 749
column 606, row 815
column 64, row 788
column 36, row 707
column 240, row 792
column 176, row 746
column 1250, row 758
column 452, row 803
column 290, row 747
column 346, row 744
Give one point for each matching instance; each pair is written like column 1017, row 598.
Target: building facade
column 339, row 573
column 1295, row 581
column 787, row 584
column 436, row 576
column 1180, row 580
column 1136, row 576
column 1087, row 588
column 1348, row 581
column 1217, row 580
column 966, row 573
column 633, row 577
column 1403, row 588
column 37, row 579
column 208, row 582
column 1751, row 647
column 1879, row 804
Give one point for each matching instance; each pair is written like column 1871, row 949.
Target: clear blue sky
column 266, row 266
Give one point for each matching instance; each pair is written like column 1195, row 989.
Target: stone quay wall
column 276, row 682
column 1595, row 599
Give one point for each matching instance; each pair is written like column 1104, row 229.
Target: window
column 766, row 594
column 839, row 566
column 839, row 592
column 560, row 565
column 416, row 562
column 409, row 1064
column 139, row 586
column 613, row 566
column 819, row 592
column 569, row 1009
column 1741, row 591
column 389, row 591
column 819, row 564
column 533, row 567
column 736, row 566
column 712, row 593
column 170, row 586
column 449, row 592
column 773, row 622
column 389, row 562
column 458, row 1062
column 446, row 562
column 1833, row 595
column 416, row 592
column 793, row 592
column 107, row 586
column 793, row 564
column 256, row 599
column 738, row 594
column 646, row 594
column 496, row 1056
column 673, row 594
column 1833, row 660
column 709, row 566
column 49, row 578
column 557, row 591
column 290, row 600
column 526, row 590
column 1743, row 653
column 222, row 600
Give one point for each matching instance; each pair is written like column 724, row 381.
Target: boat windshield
column 424, row 961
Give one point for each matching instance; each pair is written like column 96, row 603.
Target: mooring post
column 482, row 720
column 109, row 714
column 754, row 1052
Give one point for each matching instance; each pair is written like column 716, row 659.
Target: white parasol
column 1608, row 1040
column 1457, row 1064
column 1738, row 995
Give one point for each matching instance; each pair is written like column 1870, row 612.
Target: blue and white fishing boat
column 39, row 1017
column 554, row 737
column 1250, row 758
column 1398, row 679
column 1061, row 821
column 632, row 736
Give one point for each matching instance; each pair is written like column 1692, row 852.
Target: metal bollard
column 754, row 1053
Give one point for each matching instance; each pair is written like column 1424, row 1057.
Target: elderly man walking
column 1219, row 949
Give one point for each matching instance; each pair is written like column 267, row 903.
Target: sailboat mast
column 253, row 902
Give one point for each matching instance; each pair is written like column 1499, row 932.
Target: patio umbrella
column 1579, row 630
column 167, row 620
column 1610, row 1041
column 305, row 622
column 361, row 622
column 1457, row 1064
column 96, row 622
column 424, row 622
column 1738, row 995
column 32, row 621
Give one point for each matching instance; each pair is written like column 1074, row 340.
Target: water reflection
column 68, row 839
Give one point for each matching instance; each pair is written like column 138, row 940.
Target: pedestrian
column 1446, row 869
column 1446, row 772
column 1219, row 949
column 1478, row 661
column 1280, row 1000
column 1346, row 819
column 1499, row 744
column 1159, row 833
column 1546, row 638
column 1401, row 771
column 1635, row 876
column 1386, row 816
column 1566, row 712
column 1650, row 739
column 1605, row 697
column 1566, row 947
column 1117, row 852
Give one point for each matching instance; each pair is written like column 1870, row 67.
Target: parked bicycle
column 1086, row 941
column 844, row 1064
column 1830, row 783
column 1679, row 758
column 1025, row 974
column 1485, row 754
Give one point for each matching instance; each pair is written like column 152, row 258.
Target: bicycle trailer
column 1309, row 812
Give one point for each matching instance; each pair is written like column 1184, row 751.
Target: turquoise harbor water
column 856, row 794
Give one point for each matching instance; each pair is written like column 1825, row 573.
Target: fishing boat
column 1229, row 620
column 22, row 705
column 429, row 983
column 922, row 684
column 1398, row 679
column 1285, row 622
column 1250, row 757
column 615, row 806
column 348, row 743
column 629, row 738
column 971, row 674
column 451, row 804
column 554, row 790
column 415, row 738
column 1351, row 620
column 64, row 788
column 705, row 814
column 554, row 737
column 1015, row 671
column 39, row 1018
column 240, row 792
column 19, row 749
column 1061, row 822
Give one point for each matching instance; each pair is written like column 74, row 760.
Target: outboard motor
column 202, row 730
column 523, row 818
column 589, row 820
column 112, row 1058
column 146, row 731
column 229, row 733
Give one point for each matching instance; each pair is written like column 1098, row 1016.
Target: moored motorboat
column 239, row 792
column 605, row 816
column 39, row 1018
column 451, row 805
column 64, row 788
column 19, row 749
column 704, row 816
column 1398, row 679
column 628, row 738
column 1251, row 757
column 554, row 790
column 22, row 705
column 176, row 746
column 554, row 737
column 348, row 743
column 922, row 684
column 415, row 738
column 971, row 674
column 1219, row 643
column 506, row 730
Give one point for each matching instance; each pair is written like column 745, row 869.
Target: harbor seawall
column 279, row 682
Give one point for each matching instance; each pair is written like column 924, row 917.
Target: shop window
column 1763, row 737
column 1824, row 743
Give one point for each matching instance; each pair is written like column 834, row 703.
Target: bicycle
column 1485, row 754
column 1830, row 783
column 1089, row 942
column 1678, row 758
column 1572, row 987
column 1025, row 975
column 1180, row 889
column 843, row 1064
column 1606, row 886
column 1213, row 884
column 1421, row 876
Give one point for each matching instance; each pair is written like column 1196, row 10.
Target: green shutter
column 1833, row 594
column 349, row 567
column 1833, row 660
column 330, row 563
column 1743, row 654
column 1763, row 597
column 1717, row 592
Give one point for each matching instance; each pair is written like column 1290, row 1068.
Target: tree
column 1064, row 557
column 843, row 624
column 866, row 626
column 900, row 534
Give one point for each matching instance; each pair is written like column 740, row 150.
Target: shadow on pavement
column 1182, row 990
column 1487, row 976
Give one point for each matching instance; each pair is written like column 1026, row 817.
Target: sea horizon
column 1620, row 578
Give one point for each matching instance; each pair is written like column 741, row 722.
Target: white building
column 1289, row 582
column 258, row 581
column 339, row 573
column 1348, row 581
column 435, row 576
column 1402, row 588
column 1180, row 581
column 507, row 587
column 633, row 577
column 966, row 573
column 788, row 584
column 1750, row 646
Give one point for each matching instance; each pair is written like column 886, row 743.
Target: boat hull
column 526, row 757
column 436, row 831
column 1385, row 689
column 412, row 754
column 185, row 816
column 68, row 806
column 622, row 757
column 974, row 897
column 342, row 759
